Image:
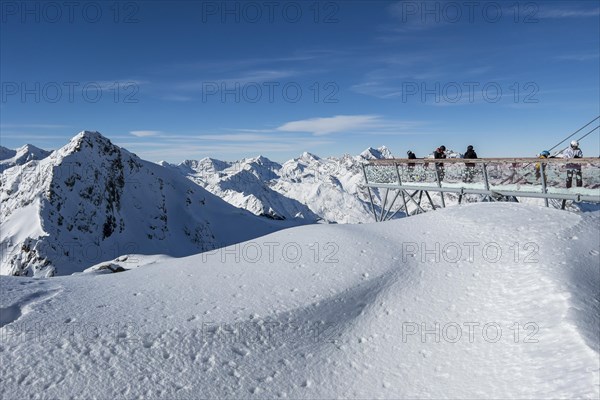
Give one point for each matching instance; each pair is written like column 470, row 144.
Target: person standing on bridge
column 440, row 153
column 538, row 167
column 411, row 166
column 470, row 167
column 573, row 151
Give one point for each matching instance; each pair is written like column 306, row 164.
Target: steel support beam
column 384, row 204
column 369, row 190
column 439, row 182
column 544, row 190
column 561, row 196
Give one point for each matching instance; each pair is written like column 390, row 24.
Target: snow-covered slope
column 307, row 188
column 478, row 301
column 91, row 201
column 6, row 153
column 10, row 158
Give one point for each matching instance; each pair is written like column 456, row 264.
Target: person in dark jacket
column 440, row 153
column 470, row 153
column 470, row 167
column 411, row 166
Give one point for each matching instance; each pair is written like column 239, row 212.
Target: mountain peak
column 376, row 154
column 89, row 136
column 91, row 141
column 31, row 149
column 263, row 162
column 309, row 156
column 261, row 159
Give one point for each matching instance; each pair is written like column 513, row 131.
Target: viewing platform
column 494, row 179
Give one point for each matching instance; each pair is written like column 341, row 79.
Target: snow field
column 379, row 321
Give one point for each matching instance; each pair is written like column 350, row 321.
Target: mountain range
column 91, row 201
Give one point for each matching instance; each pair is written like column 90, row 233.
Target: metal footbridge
column 402, row 185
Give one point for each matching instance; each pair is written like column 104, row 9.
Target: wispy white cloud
column 325, row 126
column 255, row 63
column 145, row 133
column 568, row 12
column 254, row 130
column 30, row 136
column 413, row 18
column 578, row 57
column 249, row 77
column 33, row 126
column 222, row 136
column 237, row 138
column 363, row 124
column 378, row 88
column 117, row 84
column 177, row 97
column 393, row 72
column 479, row 70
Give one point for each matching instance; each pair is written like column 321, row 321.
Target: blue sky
column 184, row 80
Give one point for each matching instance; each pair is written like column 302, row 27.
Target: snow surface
column 246, row 322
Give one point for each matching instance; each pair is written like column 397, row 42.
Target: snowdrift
column 477, row 301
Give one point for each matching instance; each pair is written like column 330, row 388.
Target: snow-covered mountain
column 6, row 153
column 10, row 158
column 92, row 201
column 246, row 184
column 308, row 187
column 376, row 154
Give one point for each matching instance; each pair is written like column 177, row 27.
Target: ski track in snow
column 203, row 327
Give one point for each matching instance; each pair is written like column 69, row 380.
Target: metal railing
column 493, row 178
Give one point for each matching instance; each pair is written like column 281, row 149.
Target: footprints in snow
column 13, row 312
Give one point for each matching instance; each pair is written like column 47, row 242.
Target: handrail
column 495, row 190
column 396, row 161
